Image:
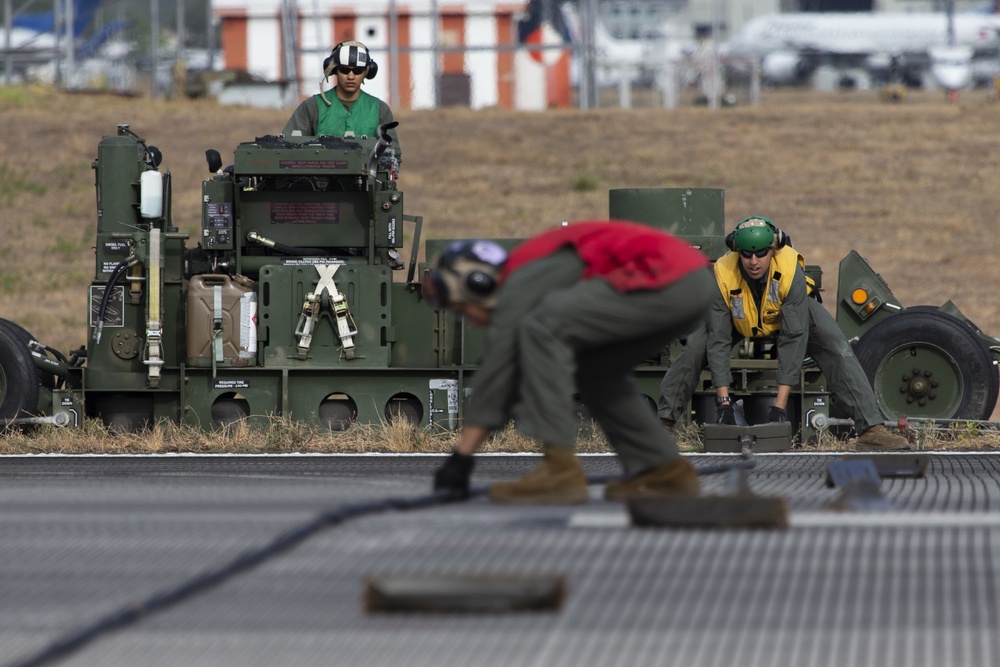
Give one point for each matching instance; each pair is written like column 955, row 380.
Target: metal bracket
column 345, row 327
column 858, row 478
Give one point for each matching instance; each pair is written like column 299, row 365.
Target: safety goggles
column 760, row 254
column 347, row 69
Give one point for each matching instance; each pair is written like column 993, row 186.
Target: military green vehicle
column 288, row 305
column 925, row 363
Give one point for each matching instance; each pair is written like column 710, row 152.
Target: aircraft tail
column 540, row 13
column 545, row 26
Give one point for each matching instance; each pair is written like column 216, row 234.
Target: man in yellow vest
column 344, row 108
column 763, row 291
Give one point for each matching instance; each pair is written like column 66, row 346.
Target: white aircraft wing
column 791, row 45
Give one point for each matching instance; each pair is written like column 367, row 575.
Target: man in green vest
column 345, row 108
column 763, row 291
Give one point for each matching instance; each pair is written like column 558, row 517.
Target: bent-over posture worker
column 763, row 291
column 572, row 310
column 351, row 109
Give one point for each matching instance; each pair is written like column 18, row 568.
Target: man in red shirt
column 572, row 311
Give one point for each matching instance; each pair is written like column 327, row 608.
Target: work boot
column 669, row 425
column 559, row 480
column 877, row 439
column 671, row 479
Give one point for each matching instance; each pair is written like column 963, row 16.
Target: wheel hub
column 919, row 386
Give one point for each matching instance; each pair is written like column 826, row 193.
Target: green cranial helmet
column 753, row 234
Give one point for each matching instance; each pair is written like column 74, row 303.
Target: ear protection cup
column 476, row 283
column 372, row 69
column 468, row 271
column 480, row 283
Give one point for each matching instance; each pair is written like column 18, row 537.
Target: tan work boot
column 559, row 480
column 878, row 439
column 673, row 478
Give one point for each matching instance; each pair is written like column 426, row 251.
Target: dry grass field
column 913, row 186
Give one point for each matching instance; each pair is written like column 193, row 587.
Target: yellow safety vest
column 747, row 319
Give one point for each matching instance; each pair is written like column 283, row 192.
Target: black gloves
column 725, row 414
column 453, row 476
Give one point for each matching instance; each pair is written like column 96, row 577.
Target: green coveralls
column 553, row 334
column 807, row 329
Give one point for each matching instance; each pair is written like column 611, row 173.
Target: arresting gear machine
column 284, row 308
column 287, row 307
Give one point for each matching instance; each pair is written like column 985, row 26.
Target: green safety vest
column 336, row 120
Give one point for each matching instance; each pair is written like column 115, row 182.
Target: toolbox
column 772, row 437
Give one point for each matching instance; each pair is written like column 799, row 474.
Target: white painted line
column 894, row 519
column 694, row 455
column 620, row 519
column 602, row 519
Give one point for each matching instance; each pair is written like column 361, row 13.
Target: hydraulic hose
column 286, row 249
column 302, row 252
column 131, row 613
column 116, row 275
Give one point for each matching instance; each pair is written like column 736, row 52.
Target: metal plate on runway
column 82, row 537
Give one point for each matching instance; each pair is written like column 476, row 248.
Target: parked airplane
column 883, row 47
column 637, row 61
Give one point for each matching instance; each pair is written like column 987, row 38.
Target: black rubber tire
column 921, row 356
column 18, row 380
column 19, row 333
column 935, row 309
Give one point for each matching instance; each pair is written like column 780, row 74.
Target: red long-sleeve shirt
column 628, row 255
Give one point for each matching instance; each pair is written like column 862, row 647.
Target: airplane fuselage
column 791, row 46
column 864, row 33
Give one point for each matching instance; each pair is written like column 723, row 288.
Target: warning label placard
column 305, row 213
column 312, row 164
